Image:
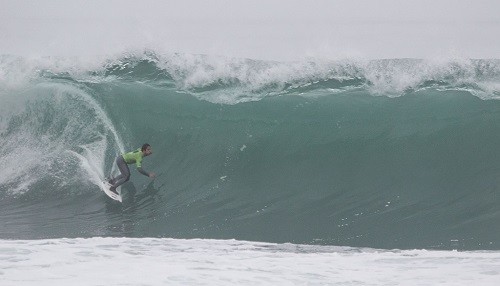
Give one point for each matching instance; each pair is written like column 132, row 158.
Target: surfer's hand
column 152, row 175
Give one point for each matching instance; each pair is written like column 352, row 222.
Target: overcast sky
column 264, row 29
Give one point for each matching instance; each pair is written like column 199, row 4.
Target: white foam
column 246, row 80
column 227, row 80
column 149, row 261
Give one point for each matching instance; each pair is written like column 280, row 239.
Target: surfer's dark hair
column 145, row 146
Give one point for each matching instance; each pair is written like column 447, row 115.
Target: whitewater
column 108, row 261
column 324, row 143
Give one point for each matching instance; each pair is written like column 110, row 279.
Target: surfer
column 122, row 162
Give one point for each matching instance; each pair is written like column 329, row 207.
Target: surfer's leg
column 125, row 173
column 112, row 180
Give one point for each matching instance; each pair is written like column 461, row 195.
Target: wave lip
column 251, row 80
column 231, row 80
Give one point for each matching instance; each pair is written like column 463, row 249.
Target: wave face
column 388, row 154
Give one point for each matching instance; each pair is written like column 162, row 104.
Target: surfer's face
column 148, row 151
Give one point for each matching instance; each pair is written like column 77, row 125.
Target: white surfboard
column 105, row 187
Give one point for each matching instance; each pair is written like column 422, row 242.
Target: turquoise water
column 383, row 154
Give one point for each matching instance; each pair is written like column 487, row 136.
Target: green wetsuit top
column 135, row 157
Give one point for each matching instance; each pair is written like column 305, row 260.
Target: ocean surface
column 292, row 162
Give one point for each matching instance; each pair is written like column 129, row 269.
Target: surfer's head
column 146, row 149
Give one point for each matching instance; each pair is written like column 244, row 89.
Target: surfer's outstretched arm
column 141, row 170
